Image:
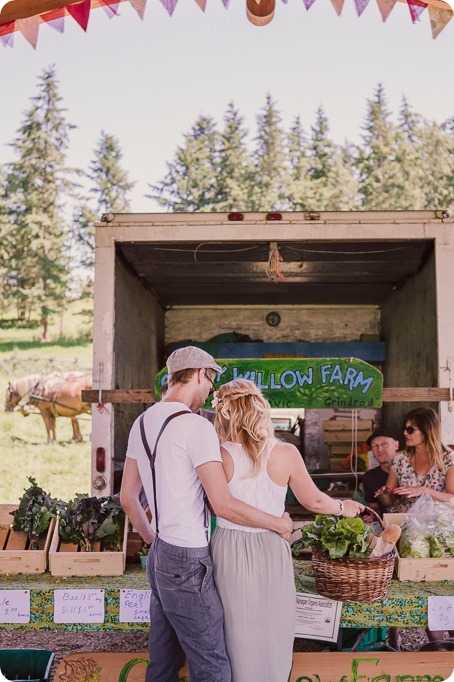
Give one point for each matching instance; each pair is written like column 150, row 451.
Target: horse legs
column 49, row 421
column 77, row 435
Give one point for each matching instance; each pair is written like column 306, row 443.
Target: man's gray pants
column 186, row 616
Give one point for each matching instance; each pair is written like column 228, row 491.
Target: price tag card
column 440, row 613
column 14, row 606
column 78, row 606
column 317, row 617
column 134, row 606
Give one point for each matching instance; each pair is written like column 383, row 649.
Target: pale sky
column 147, row 81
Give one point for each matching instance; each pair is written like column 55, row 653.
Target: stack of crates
column 337, row 434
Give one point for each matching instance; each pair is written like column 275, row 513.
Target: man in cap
column 186, row 617
column 384, row 444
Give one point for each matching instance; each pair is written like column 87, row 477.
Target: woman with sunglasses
column 426, row 465
column 253, row 568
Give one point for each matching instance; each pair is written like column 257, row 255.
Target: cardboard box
column 416, row 570
column 15, row 557
column 68, row 561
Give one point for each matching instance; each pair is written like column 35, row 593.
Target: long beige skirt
column 254, row 576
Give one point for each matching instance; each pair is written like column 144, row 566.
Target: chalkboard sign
column 321, row 383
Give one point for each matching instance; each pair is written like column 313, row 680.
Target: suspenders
column 152, row 456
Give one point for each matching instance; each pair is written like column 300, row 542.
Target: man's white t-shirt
column 188, row 441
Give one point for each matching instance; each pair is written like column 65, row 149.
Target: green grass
column 62, row 468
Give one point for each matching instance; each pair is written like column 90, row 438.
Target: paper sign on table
column 14, row 606
column 79, row 606
column 317, row 617
column 135, row 606
column 440, row 612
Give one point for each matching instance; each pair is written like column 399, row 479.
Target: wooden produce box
column 15, row 557
column 69, row 560
column 416, row 570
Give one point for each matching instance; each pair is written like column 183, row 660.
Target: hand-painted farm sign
column 307, row 667
column 320, row 383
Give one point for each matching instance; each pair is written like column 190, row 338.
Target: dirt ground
column 64, row 643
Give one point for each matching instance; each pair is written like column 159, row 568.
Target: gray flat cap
column 191, row 357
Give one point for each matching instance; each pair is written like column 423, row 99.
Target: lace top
column 259, row 491
column 406, row 475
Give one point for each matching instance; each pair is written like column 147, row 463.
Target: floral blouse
column 407, row 476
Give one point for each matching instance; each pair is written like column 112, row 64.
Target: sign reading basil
column 320, row 383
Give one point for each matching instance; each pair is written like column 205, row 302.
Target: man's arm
column 214, row 482
column 131, row 486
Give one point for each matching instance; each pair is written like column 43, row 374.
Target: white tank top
column 259, row 491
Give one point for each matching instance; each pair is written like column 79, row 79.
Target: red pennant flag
column 385, row 7
column 29, row 28
column 361, row 6
column 308, row 3
column 416, row 8
column 80, row 12
column 338, row 6
column 139, row 6
column 202, row 4
column 170, row 5
column 438, row 19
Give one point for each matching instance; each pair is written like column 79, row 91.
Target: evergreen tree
column 298, row 185
column 235, row 169
column 268, row 181
column 437, row 163
column 35, row 238
column 191, row 180
column 332, row 187
column 410, row 193
column 380, row 176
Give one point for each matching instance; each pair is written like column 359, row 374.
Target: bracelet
column 341, row 509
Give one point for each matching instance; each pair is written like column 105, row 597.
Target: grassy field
column 62, row 468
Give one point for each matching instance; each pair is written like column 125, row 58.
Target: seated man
column 384, row 444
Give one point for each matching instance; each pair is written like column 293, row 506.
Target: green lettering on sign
column 319, row 383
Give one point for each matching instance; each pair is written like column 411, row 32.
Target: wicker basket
column 353, row 579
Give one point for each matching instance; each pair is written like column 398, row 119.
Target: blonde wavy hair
column 243, row 416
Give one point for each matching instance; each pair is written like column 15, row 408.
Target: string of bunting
column 80, row 12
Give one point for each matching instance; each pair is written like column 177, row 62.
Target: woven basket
column 353, row 579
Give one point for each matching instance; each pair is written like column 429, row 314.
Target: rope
column 354, row 452
column 273, row 267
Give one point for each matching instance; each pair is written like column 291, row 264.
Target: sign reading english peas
column 320, row 383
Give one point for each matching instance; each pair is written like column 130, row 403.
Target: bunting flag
column 416, row 8
column 169, row 5
column 438, row 19
column 29, row 28
column 385, row 7
column 80, row 12
column 139, row 6
column 361, row 6
column 338, row 6
column 440, row 15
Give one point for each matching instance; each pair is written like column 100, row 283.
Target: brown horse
column 57, row 395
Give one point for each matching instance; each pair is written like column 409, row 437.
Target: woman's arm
column 307, row 492
column 437, row 495
column 387, row 498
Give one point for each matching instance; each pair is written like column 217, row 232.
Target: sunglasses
column 213, row 385
column 410, row 429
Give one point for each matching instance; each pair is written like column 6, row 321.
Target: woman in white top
column 253, row 568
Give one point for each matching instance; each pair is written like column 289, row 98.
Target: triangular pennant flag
column 285, row 1
column 416, row 8
column 338, row 5
column 139, row 6
column 57, row 24
column 170, row 5
column 308, row 3
column 55, row 19
column 361, row 6
column 80, row 12
column 226, row 3
column 202, row 4
column 385, row 7
column 111, row 9
column 29, row 28
column 438, row 19
column 7, row 39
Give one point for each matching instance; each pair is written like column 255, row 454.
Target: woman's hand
column 287, row 526
column 412, row 490
column 352, row 508
column 385, row 490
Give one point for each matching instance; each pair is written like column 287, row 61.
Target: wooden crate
column 346, row 425
column 14, row 556
column 68, row 560
column 344, row 436
column 416, row 570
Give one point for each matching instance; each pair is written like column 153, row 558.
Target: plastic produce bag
column 429, row 530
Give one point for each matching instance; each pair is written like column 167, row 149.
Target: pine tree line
column 48, row 210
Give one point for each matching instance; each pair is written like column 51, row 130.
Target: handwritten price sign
column 79, row 606
column 134, row 606
column 14, row 606
column 441, row 613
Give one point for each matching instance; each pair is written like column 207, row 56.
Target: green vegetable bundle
column 86, row 519
column 36, row 508
column 337, row 537
column 429, row 531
